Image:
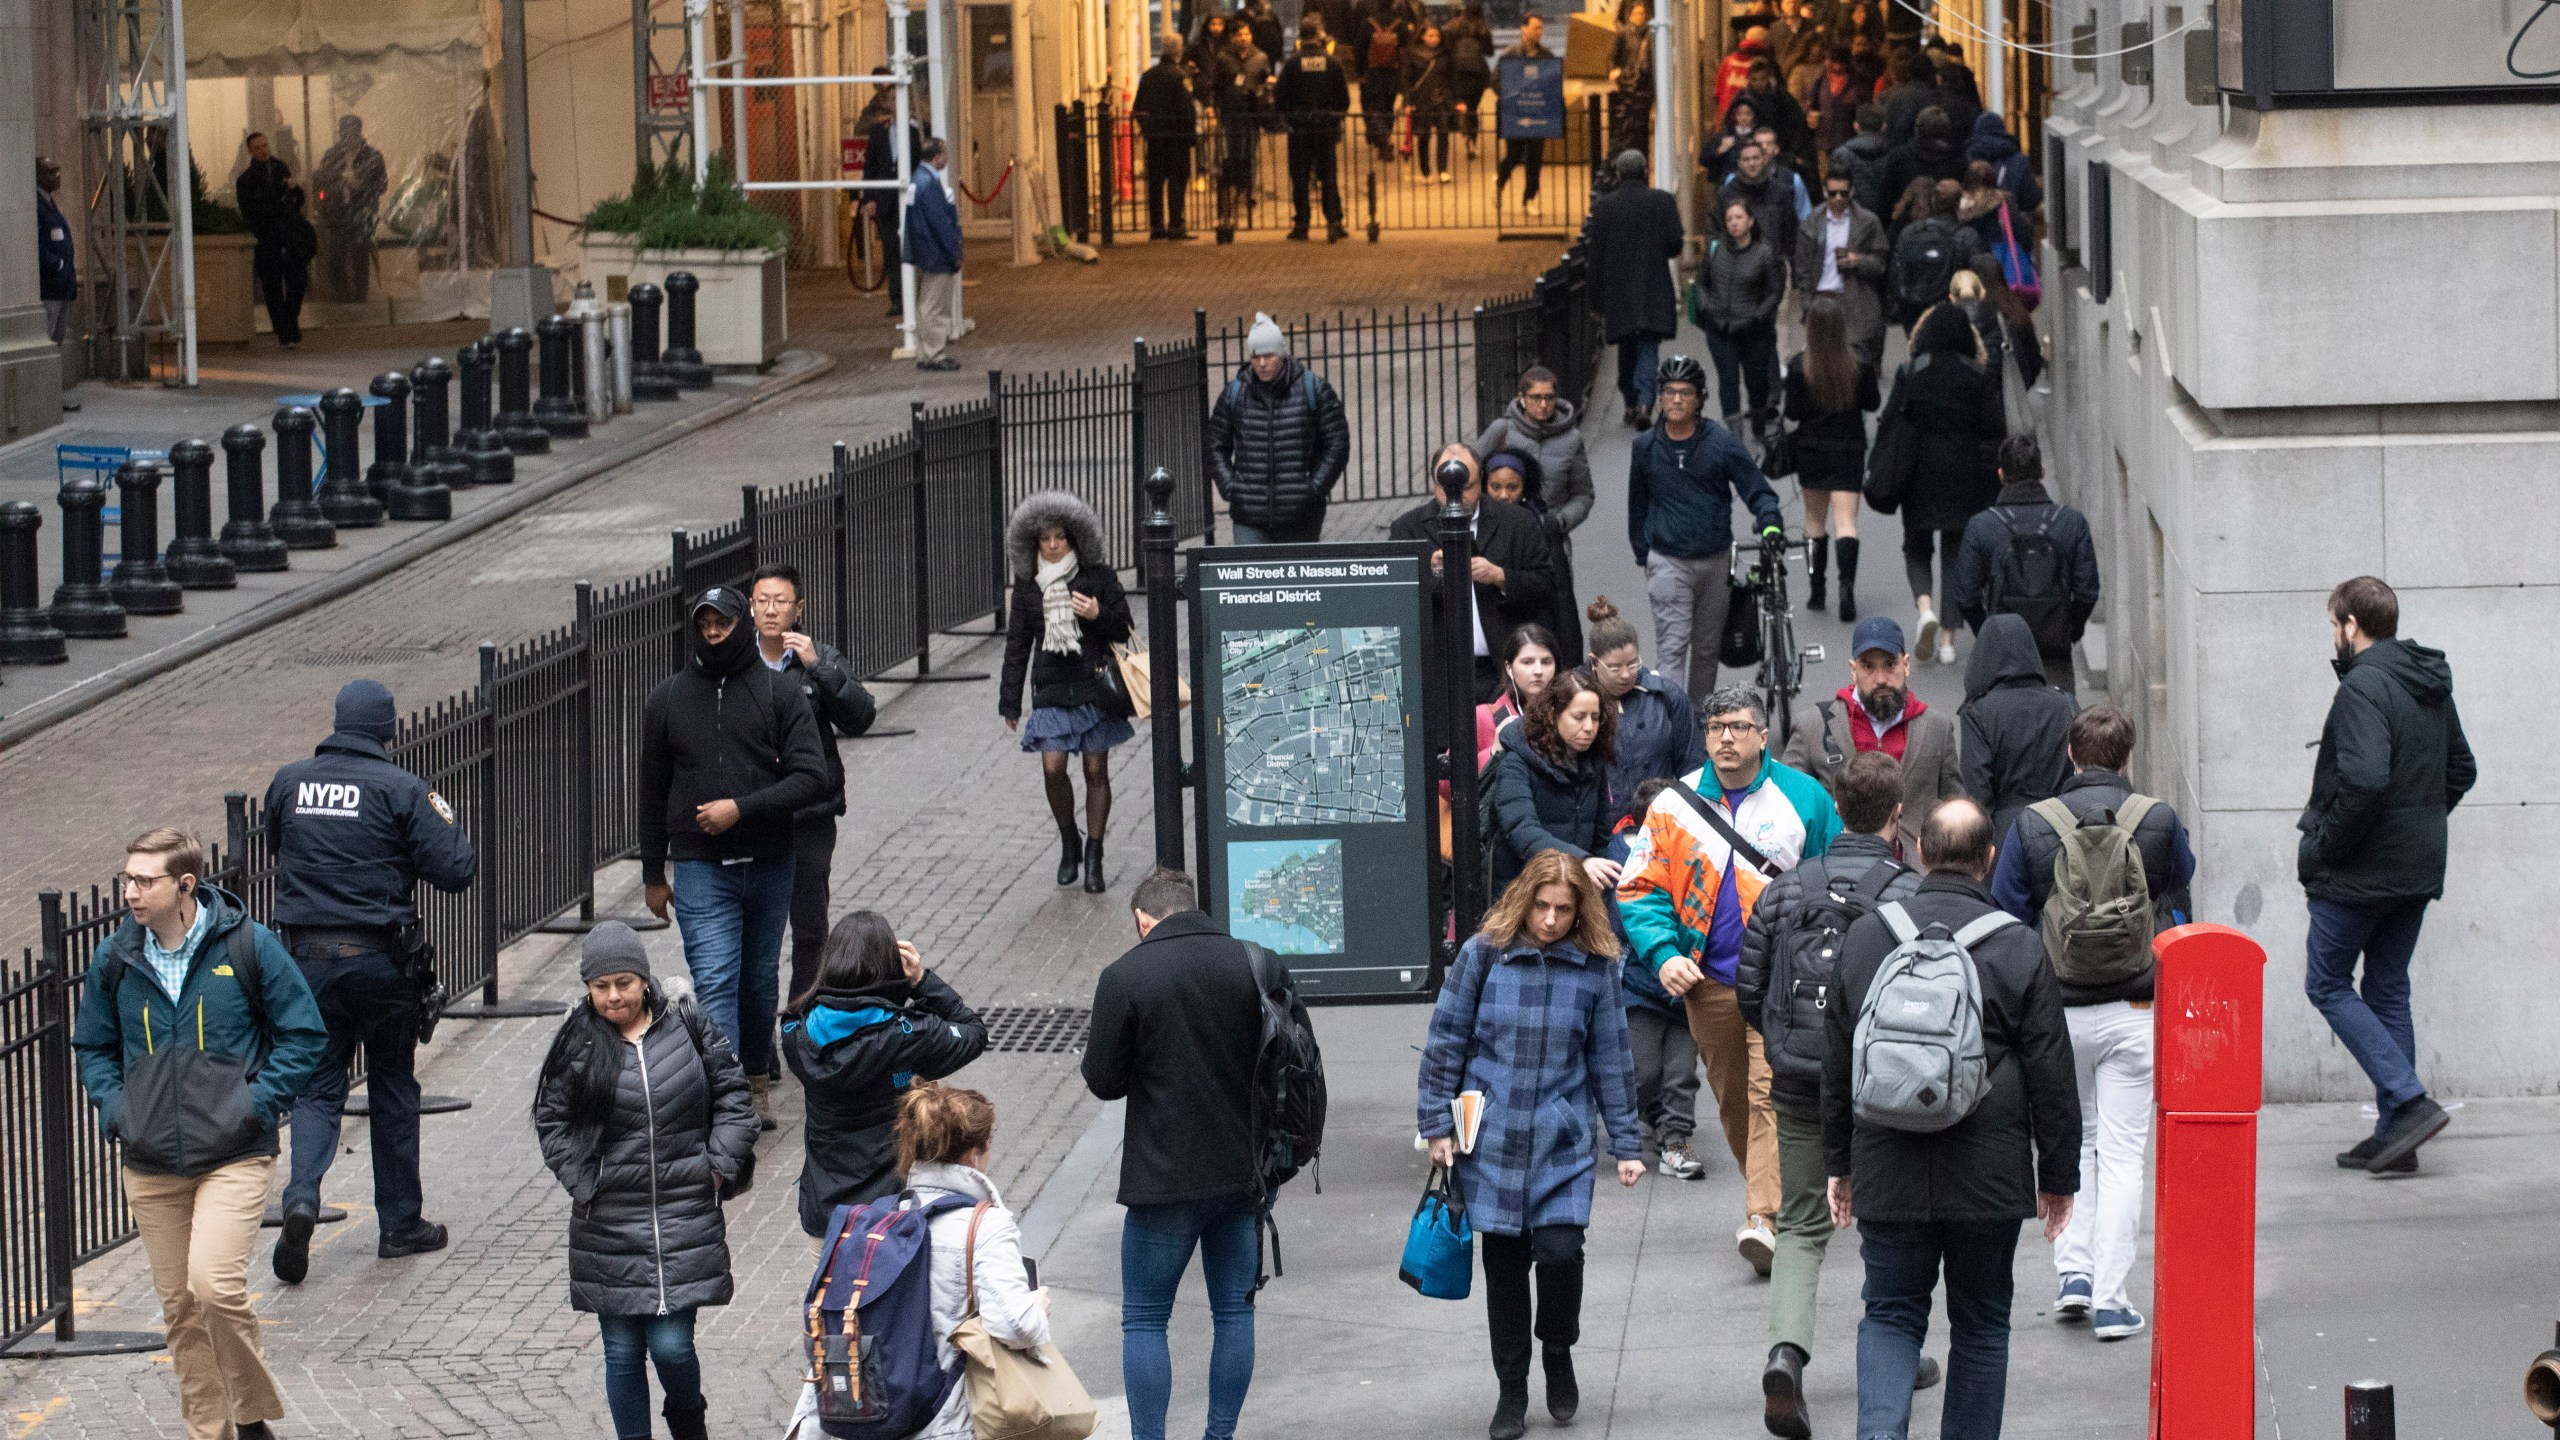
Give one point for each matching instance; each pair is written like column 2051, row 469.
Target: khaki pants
column 198, row 1234
column 1739, row 1075
column 934, row 294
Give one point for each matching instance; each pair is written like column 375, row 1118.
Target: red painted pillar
column 2208, row 1018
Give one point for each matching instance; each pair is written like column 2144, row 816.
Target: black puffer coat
column 1276, row 450
column 2392, row 762
column 1539, row 805
column 2015, row 725
column 856, row 1051
column 1059, row 681
column 645, row 1231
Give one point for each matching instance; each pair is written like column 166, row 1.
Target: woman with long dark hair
column 642, row 1112
column 1068, row 611
column 1550, row 782
column 1529, row 664
column 873, row 1022
column 1829, row 391
column 1531, row 1018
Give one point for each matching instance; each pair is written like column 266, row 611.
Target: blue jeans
column 1155, row 1248
column 1639, row 366
column 733, row 917
column 1903, row 1262
column 2374, row 1025
column 364, row 1000
column 630, row 1343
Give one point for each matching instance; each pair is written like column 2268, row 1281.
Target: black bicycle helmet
column 1681, row 370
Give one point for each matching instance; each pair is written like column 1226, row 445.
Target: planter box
column 742, row 315
column 226, row 287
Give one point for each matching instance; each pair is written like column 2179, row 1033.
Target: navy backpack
column 869, row 1320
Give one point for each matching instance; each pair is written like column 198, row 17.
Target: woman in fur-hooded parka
column 1067, row 611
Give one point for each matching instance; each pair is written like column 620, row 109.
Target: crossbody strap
column 969, row 1260
column 1747, row 852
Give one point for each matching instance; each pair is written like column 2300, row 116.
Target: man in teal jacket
column 196, row 1030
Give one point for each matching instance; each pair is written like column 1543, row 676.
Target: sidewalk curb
column 1062, row 1194
column 56, row 708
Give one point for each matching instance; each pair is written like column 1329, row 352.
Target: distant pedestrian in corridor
column 2028, row 556
column 2392, row 763
column 1527, row 154
column 933, row 246
column 1277, row 443
column 1683, row 477
column 198, row 1121
column 57, row 254
column 2015, row 725
column 643, row 1114
column 1632, row 236
column 351, row 179
column 1531, row 1016
column 1177, row 1030
column 1069, row 610
column 1169, row 120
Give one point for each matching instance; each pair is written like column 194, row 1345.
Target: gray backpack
column 2097, row 925
column 1916, row 1060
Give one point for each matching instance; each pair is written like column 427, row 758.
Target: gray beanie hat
column 612, row 948
column 1265, row 338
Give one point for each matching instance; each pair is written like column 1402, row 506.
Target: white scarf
column 1057, row 608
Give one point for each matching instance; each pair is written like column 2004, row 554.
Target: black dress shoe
column 1564, row 1393
column 1510, row 1413
column 1782, row 1393
column 426, row 1238
column 252, row 1430
column 293, row 1246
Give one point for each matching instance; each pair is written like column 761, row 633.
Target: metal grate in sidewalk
column 1037, row 1029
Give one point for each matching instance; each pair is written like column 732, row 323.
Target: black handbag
column 1740, row 646
column 1111, row 688
column 1779, row 460
column 1895, row 453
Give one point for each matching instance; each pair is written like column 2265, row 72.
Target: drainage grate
column 1037, row 1029
column 380, row 655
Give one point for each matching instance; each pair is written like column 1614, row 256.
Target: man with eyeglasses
column 1840, row 252
column 198, row 1120
column 352, row 834
column 1711, row 844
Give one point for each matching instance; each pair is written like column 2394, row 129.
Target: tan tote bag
column 1016, row 1394
column 1137, row 671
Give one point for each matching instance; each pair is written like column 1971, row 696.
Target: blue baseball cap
column 1877, row 632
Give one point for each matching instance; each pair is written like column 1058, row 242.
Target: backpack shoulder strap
column 2057, row 815
column 2136, row 808
column 1983, row 927
column 1898, row 920
column 1879, row 878
column 251, row 975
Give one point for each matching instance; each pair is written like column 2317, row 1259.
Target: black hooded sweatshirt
column 725, row 727
column 856, row 1052
column 2393, row 762
column 2015, row 725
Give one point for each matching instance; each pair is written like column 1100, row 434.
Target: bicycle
column 1781, row 661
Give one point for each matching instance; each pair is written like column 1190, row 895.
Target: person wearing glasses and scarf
column 1062, row 576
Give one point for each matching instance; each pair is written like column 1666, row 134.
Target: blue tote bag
column 1440, row 1246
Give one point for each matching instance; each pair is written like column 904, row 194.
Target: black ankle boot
column 688, row 1424
column 1782, row 1393
column 1564, row 1394
column 1511, row 1412
column 1093, row 866
column 1070, row 855
column 1848, row 578
column 1817, row 560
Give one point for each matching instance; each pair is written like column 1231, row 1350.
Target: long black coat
column 1058, row 680
column 1632, row 236
column 645, row 1232
column 2392, row 762
column 2015, row 725
column 855, row 1053
column 1539, row 805
column 2025, row 1138
column 1952, row 406
column 1509, row 536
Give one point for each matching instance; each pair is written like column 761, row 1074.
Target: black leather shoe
column 293, row 1245
column 427, row 1238
column 1928, row 1375
column 1564, row 1394
column 1782, row 1393
column 1510, row 1413
column 252, row 1430
column 1070, row 856
column 1093, row 866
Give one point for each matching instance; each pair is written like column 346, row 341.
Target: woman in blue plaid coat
column 1531, row 1016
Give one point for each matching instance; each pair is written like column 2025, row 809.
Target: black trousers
column 1378, row 110
column 1313, row 158
column 1516, row 154
column 1168, row 183
column 1556, row 1252
column 1915, row 563
column 347, row 256
column 282, row 284
column 813, row 846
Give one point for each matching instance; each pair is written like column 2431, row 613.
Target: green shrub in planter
column 665, row 210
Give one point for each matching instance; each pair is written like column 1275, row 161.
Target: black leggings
column 1915, row 562
column 1556, row 1251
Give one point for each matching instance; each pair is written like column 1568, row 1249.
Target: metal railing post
column 1457, row 652
column 492, row 863
column 923, row 552
column 584, row 627
column 2370, row 1412
column 840, row 554
column 1208, row 472
column 995, row 494
column 1139, row 513
column 1164, row 696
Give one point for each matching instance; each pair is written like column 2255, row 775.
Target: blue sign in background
column 1532, row 90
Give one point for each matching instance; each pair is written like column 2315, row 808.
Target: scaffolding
column 141, row 217
column 661, row 103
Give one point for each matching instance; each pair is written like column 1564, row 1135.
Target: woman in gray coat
column 1736, row 302
column 1545, row 428
column 642, row 1113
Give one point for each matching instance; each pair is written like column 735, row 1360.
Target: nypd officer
column 352, row 834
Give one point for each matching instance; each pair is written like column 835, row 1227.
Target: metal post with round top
column 682, row 362
column 514, row 422
column 344, row 497
column 194, row 561
column 247, row 539
column 558, row 411
column 390, row 433
column 297, row 517
column 484, row 452
column 82, row 605
column 141, row 582
column 27, row 635
column 649, row 379
column 432, row 458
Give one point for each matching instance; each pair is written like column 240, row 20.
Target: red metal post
column 2208, row 1022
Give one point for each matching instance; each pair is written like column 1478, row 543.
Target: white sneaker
column 1924, row 636
column 1533, row 207
column 1758, row 1243
column 1946, row 648
column 1682, row 1163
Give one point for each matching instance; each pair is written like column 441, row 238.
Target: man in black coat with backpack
column 2030, row 557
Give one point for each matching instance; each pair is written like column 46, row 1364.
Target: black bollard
column 681, row 362
column 432, row 458
column 514, row 423
column 648, row 378
column 194, row 561
column 558, row 411
column 416, row 491
column 81, row 604
column 27, row 635
column 343, row 496
column 247, row 538
column 485, row 455
column 297, row 516
column 2370, row 1412
column 141, row 582
column 390, row 433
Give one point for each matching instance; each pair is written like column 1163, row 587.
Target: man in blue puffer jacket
column 196, row 1031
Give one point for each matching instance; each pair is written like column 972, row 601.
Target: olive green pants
column 1804, row 1229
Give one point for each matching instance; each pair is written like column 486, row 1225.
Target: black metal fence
column 899, row 540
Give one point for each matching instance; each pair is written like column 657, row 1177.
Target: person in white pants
column 2110, row 1022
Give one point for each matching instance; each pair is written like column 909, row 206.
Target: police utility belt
column 406, row 946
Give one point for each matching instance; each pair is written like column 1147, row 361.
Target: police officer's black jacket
column 1313, row 93
column 725, row 727
column 353, row 834
column 843, row 707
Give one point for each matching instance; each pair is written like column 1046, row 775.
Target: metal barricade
column 884, row 601
column 1070, row 430
column 961, row 512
